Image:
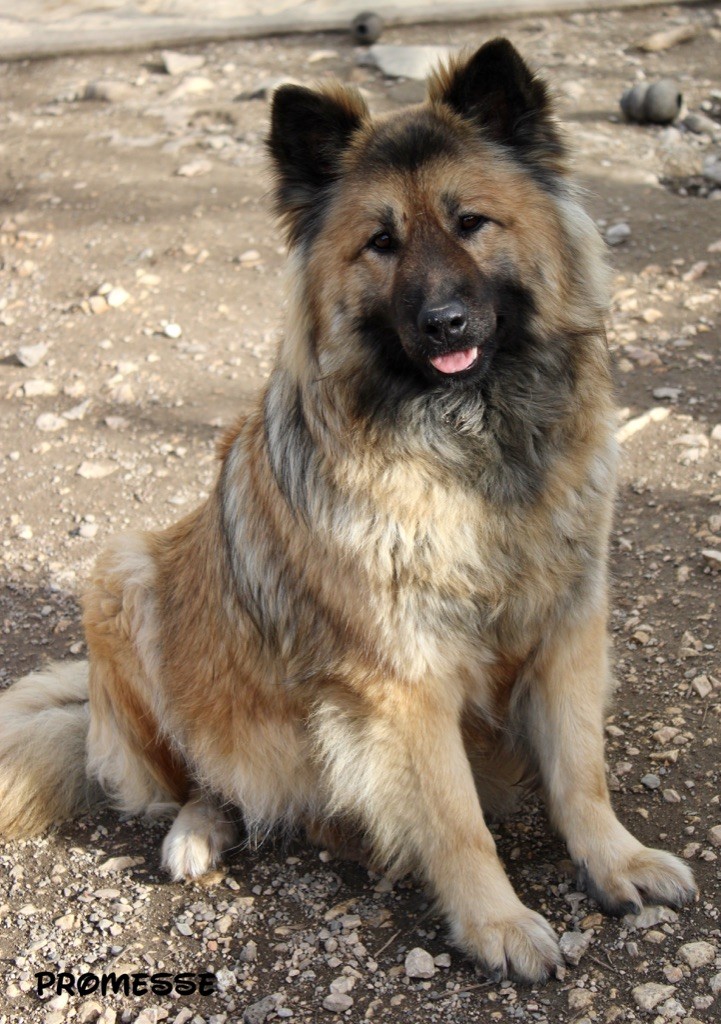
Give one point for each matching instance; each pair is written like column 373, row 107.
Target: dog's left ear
column 497, row 91
column 309, row 131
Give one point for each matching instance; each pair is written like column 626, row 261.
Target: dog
column 393, row 608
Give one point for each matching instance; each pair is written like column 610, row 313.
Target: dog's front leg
column 396, row 760
column 567, row 695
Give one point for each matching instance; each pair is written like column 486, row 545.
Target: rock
column 106, row 90
column 249, row 952
column 48, row 421
column 651, row 781
column 249, row 258
column 337, row 1002
column 714, row 836
column 96, row 470
column 702, row 686
column 89, row 1011
column 193, row 86
column 39, row 388
column 671, row 796
column 119, row 864
column 66, row 923
column 88, row 530
column 442, row 960
column 712, row 557
column 343, row 985
column 648, row 996
column 631, row 101
column 172, row 330
column 651, row 916
column 715, row 984
column 32, row 355
column 579, row 999
column 574, row 945
column 712, row 169
column 258, row 1012
column 669, row 393
column 701, row 124
column 195, row 168
column 265, row 89
column 116, row 297
column 662, row 102
column 667, row 38
column 419, row 964
column 180, row 63
column 151, row 1015
column 617, row 234
column 366, row 28
column 408, row 61
column 697, row 954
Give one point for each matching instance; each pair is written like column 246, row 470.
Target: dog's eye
column 471, row 222
column 383, row 242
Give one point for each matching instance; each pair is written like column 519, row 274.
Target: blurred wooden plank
column 21, row 38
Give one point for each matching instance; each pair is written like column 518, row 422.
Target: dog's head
column 429, row 241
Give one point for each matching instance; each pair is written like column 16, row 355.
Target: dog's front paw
column 196, row 841
column 522, row 946
column 646, row 876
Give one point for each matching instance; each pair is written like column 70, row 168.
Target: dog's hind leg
column 130, row 747
column 199, row 836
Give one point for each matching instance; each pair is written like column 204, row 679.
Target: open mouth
column 455, row 362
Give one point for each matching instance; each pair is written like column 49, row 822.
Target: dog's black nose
column 443, row 325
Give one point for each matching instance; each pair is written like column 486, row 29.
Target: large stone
column 419, row 964
column 697, row 954
column 648, row 996
column 408, row 61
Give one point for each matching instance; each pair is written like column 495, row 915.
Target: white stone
column 697, row 954
column 96, row 470
column 39, row 388
column 407, row 61
column 50, row 421
column 648, row 996
column 337, row 1002
column 574, row 945
column 117, row 297
column 617, row 234
column 180, row 63
column 419, row 964
column 32, row 355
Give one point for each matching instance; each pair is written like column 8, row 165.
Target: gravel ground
column 140, row 273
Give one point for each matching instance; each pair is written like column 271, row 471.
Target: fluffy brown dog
column 394, row 605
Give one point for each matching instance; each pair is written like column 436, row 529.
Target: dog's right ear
column 309, row 131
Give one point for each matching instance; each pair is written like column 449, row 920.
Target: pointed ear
column 497, row 91
column 309, row 131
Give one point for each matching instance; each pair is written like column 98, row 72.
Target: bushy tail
column 44, row 721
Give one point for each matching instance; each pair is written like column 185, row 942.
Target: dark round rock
column 366, row 28
column 632, row 101
column 663, row 102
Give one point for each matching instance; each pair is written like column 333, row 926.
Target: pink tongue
column 453, row 362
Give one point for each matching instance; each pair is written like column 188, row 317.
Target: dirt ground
column 140, row 279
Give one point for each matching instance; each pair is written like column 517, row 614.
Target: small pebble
column 617, row 234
